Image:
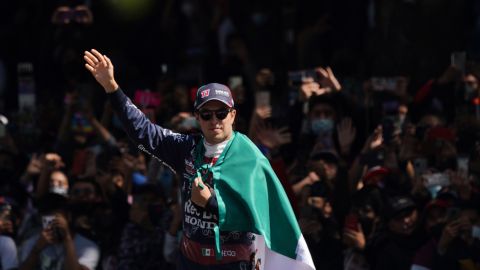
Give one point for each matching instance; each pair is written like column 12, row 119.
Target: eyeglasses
column 220, row 114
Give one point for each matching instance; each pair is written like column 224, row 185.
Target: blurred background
column 369, row 111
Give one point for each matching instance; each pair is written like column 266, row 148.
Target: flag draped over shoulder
column 251, row 198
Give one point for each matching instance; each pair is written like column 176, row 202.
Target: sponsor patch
column 205, row 93
column 222, row 92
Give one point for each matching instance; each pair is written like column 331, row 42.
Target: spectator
column 459, row 242
column 394, row 248
column 57, row 246
column 8, row 248
column 141, row 244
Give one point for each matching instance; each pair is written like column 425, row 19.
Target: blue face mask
column 321, row 126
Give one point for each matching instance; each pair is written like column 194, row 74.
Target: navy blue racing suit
column 176, row 151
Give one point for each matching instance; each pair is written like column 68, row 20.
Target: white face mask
column 59, row 190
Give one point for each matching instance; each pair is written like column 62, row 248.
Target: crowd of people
column 367, row 115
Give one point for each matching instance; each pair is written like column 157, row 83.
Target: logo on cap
column 222, row 92
column 205, row 93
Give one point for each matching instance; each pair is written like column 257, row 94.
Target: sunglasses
column 220, row 114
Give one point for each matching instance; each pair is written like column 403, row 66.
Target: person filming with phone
column 56, row 246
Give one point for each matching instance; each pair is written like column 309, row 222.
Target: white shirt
column 53, row 256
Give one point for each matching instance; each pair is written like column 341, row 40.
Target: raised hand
column 355, row 238
column 60, row 223
column 346, row 134
column 35, row 165
column 273, row 138
column 102, row 69
column 263, row 112
column 449, row 233
column 374, row 141
column 328, row 79
column 309, row 87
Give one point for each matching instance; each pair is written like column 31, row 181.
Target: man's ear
column 197, row 117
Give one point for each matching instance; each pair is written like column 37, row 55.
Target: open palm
column 101, row 68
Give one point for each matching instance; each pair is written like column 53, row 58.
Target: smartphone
column 377, row 83
column 458, row 59
column 189, row 123
column 437, row 179
column 26, row 86
column 47, row 224
column 47, row 221
column 462, row 164
column 351, row 222
column 420, row 165
column 384, row 83
column 80, row 123
column 476, row 232
column 388, row 129
column 235, row 81
column 296, row 78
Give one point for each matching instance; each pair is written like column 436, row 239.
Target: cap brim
column 203, row 103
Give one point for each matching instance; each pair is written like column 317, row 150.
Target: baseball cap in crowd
column 375, row 176
column 397, row 205
column 438, row 203
column 213, row 91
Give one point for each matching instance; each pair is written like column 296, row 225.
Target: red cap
column 441, row 133
column 438, row 203
column 374, row 175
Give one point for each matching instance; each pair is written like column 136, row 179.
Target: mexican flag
column 251, row 198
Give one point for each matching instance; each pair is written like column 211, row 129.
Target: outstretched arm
column 148, row 137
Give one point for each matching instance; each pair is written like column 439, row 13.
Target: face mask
column 321, row 126
column 476, row 232
column 59, row 190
